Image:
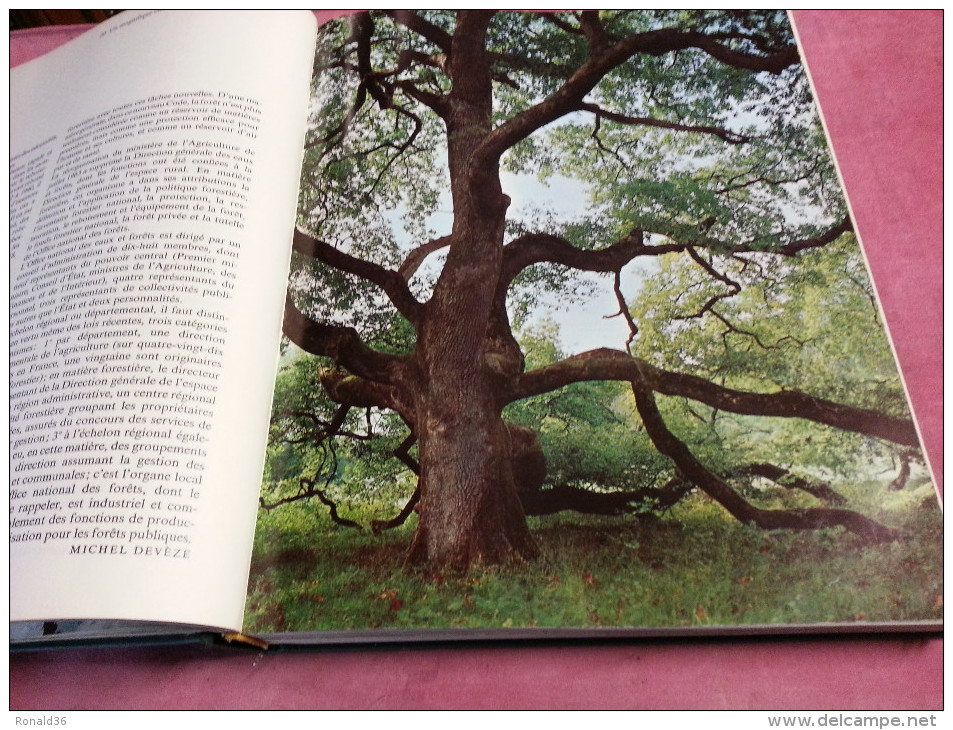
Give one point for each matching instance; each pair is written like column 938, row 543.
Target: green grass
column 694, row 566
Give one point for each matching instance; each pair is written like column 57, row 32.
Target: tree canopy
column 753, row 346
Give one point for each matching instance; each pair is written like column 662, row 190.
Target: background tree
column 695, row 134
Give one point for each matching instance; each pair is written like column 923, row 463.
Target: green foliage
column 809, row 324
column 588, row 431
column 666, row 175
column 728, row 166
column 693, row 568
column 353, row 466
column 683, row 165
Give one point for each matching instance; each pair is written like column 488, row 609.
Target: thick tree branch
column 469, row 71
column 786, row 404
column 436, row 102
column 362, row 32
column 830, row 235
column 362, row 28
column 415, row 258
column 412, row 21
column 342, row 344
column 353, row 391
column 786, row 479
column 774, row 62
column 537, row 248
column 726, row 135
column 693, row 470
column 594, row 30
column 393, row 284
column 606, row 364
column 562, row 24
column 655, row 43
column 562, row 497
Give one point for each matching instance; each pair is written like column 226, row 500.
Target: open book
column 314, row 346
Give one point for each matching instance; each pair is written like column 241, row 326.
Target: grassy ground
column 694, row 566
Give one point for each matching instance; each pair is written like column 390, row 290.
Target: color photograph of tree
column 731, row 444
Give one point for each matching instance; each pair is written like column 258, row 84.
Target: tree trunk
column 469, row 510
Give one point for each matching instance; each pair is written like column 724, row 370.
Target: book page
column 154, row 166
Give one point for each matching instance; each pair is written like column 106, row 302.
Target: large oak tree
column 695, row 135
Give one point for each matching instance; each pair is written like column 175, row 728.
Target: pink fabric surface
column 33, row 42
column 879, row 78
column 880, row 100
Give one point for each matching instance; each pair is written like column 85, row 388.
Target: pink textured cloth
column 879, row 78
